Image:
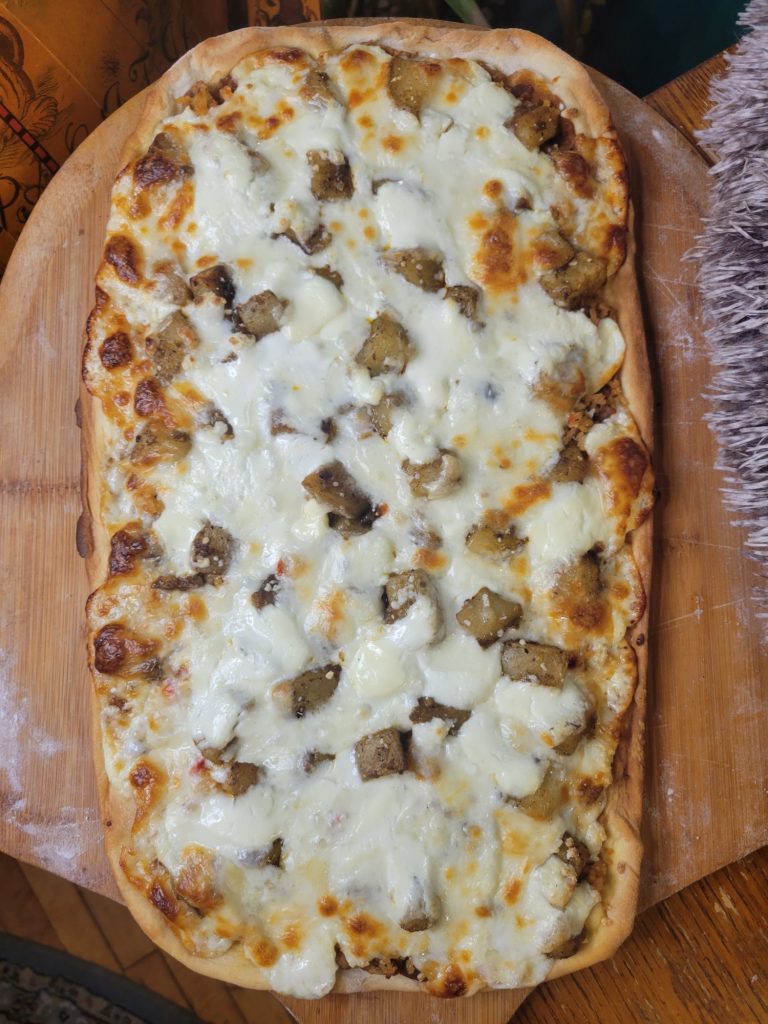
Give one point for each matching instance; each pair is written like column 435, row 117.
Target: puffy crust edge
column 505, row 50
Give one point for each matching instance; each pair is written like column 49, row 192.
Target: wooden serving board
column 707, row 763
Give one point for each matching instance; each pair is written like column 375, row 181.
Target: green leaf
column 468, row 11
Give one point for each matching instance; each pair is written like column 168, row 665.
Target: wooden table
column 679, row 964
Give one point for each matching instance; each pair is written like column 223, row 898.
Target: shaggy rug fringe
column 733, row 275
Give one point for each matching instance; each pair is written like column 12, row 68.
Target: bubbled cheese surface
column 451, row 826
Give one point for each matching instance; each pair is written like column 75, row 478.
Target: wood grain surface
column 708, row 771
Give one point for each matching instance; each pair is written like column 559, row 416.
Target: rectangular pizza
column 367, row 468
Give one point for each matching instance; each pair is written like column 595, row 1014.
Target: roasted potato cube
column 216, row 281
column 266, row 593
column 169, row 344
column 183, row 583
column 196, row 879
column 212, row 551
column 551, row 251
column 380, row 753
column 534, row 125
column 316, row 241
column 575, row 853
column 260, row 315
column 165, row 160
column 169, row 285
column 524, row 659
column 572, row 465
column 418, row 266
column 241, row 775
column 485, row 539
column 387, row 348
column 410, row 82
column 486, row 615
column 380, row 414
column 422, row 909
column 335, row 488
column 543, row 803
column 403, row 589
column 331, row 175
column 314, row 758
column 568, row 948
column 308, row 691
column 427, row 708
column 584, row 729
column 316, row 89
column 158, row 443
column 574, row 169
column 437, row 478
column 330, row 275
column 466, row 298
column 573, row 285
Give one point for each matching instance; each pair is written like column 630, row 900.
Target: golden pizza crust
column 506, row 50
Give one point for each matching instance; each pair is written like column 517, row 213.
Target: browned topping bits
column 487, row 615
column 491, row 542
column 156, row 443
column 260, row 315
column 240, row 776
column 379, row 754
column 437, row 478
column 314, row 758
column 573, row 285
column 572, row 465
column 266, row 593
column 309, row 691
column 410, row 82
column 216, row 281
column 575, row 853
column 524, row 659
column 317, row 240
column 427, row 709
column 380, row 414
column 331, row 175
column 188, row 582
column 168, row 346
column 466, row 298
column 166, row 160
column 387, row 348
column 403, row 589
column 212, row 550
column 418, row 266
column 334, row 487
